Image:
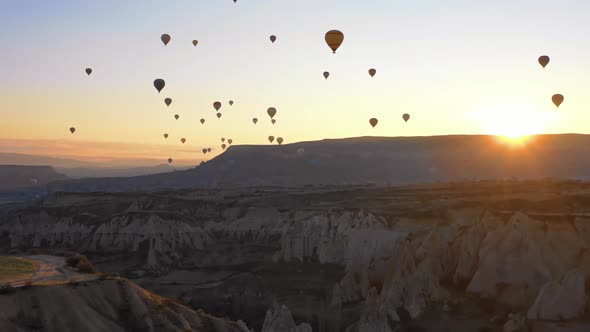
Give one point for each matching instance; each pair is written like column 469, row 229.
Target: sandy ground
column 51, row 270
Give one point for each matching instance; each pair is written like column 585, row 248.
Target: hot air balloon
column 219, row 115
column 231, row 103
column 72, row 130
column 222, row 139
column 271, row 138
column 183, row 140
column 373, row 122
column 230, row 141
column 165, row 39
column 280, row 140
column 217, row 105
column 208, row 149
column 223, row 146
column 372, row 72
column 255, row 120
column 273, row 38
column 326, row 75
column 235, row 1
column 202, row 121
column 176, row 116
column 165, row 135
column 204, row 151
column 195, row 42
column 334, row 39
column 557, row 99
column 169, row 160
column 159, row 84
column 273, row 121
column 544, row 61
column 406, row 117
column 168, row 101
column 271, row 112
column 88, row 71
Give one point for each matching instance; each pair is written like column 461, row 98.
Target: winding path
column 50, row 270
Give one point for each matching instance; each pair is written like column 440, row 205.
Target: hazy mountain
column 16, row 176
column 371, row 160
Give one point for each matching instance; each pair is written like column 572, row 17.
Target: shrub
column 81, row 263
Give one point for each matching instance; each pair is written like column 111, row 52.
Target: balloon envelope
column 219, row 115
column 273, row 38
column 165, row 135
column 255, row 120
column 176, row 116
column 373, row 122
column 88, row 71
column 222, row 139
column 183, row 140
column 230, row 141
column 271, row 112
column 334, row 39
column 557, row 99
column 202, row 121
column 223, row 146
column 231, row 103
column 273, row 121
column 372, row 72
column 168, row 101
column 217, row 105
column 208, row 149
column 72, row 130
column 326, row 75
column 280, row 140
column 159, row 84
column 544, row 60
column 165, row 39
column 271, row 139
column 204, row 151
column 195, row 42
column 406, row 117
column 169, row 160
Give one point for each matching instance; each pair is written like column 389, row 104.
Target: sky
column 457, row 67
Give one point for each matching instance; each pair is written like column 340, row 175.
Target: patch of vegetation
column 11, row 267
column 81, row 263
column 6, row 289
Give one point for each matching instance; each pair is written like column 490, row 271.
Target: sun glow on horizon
column 513, row 122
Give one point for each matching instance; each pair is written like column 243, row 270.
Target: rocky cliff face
column 382, row 256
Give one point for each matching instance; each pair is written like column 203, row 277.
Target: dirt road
column 51, row 270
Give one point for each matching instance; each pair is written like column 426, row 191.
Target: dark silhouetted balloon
column 334, row 39
column 280, row 140
column 223, row 146
column 273, row 121
column 271, row 112
column 255, row 120
column 165, row 39
column 326, row 75
column 271, row 139
column 159, row 84
column 176, row 116
column 208, row 149
column 170, row 160
column 222, row 139
column 544, row 60
column 219, row 115
column 195, row 42
column 202, row 121
column 183, row 140
column 165, row 135
column 557, row 99
column 168, row 101
column 372, row 72
column 231, row 103
column 373, row 122
column 72, row 130
column 217, row 105
column 273, row 38
column 406, row 117
column 230, row 141
column 204, row 151
column 88, row 71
